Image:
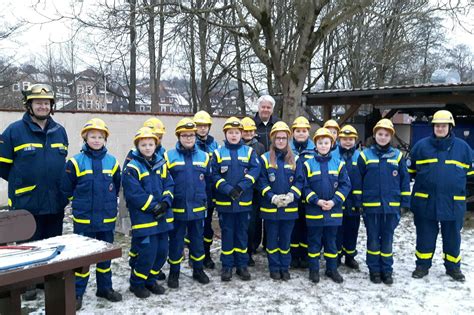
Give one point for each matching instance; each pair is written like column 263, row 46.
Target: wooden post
column 60, row 293
column 10, row 303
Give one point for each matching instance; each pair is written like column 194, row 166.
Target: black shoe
column 387, row 278
column 161, row 276
column 78, row 302
column 173, row 280
column 304, row 263
column 351, row 262
column 109, row 294
column 456, row 274
column 226, row 274
column 140, row 292
column 334, row 275
column 419, row 272
column 40, row 286
column 200, row 276
column 243, row 273
column 30, row 294
column 295, row 262
column 251, row 262
column 208, row 263
column 314, row 276
column 275, row 275
column 285, row 275
column 375, row 277
column 155, row 288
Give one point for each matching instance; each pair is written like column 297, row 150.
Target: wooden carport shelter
column 456, row 97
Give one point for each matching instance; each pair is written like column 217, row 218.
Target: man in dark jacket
column 32, row 156
column 265, row 120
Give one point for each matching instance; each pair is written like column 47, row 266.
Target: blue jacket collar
column 182, row 150
column 51, row 125
column 442, row 143
column 95, row 154
column 233, row 146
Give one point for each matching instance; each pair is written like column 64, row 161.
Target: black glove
column 235, row 192
column 160, row 210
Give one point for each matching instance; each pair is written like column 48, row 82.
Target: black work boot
column 456, row 274
column 173, row 280
column 243, row 273
column 275, row 275
column 387, row 278
column 200, row 276
column 314, row 276
column 161, row 276
column 251, row 262
column 155, row 288
column 78, row 302
column 285, row 275
column 140, row 292
column 208, row 262
column 334, row 275
column 226, row 274
column 419, row 272
column 351, row 262
column 375, row 277
column 304, row 263
column 109, row 294
column 295, row 262
column 30, row 294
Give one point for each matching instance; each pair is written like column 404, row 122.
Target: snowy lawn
column 436, row 293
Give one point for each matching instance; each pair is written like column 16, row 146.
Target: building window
column 148, row 108
column 16, row 87
column 104, row 107
column 142, row 108
column 80, row 104
column 89, row 90
column 162, row 100
column 80, row 89
column 26, row 85
column 66, row 90
column 88, row 104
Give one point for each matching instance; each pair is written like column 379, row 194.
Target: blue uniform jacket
column 145, row 184
column 92, row 181
column 209, row 146
column 160, row 151
column 325, row 178
column 275, row 180
column 32, row 161
column 440, row 168
column 189, row 169
column 234, row 165
column 350, row 158
column 305, row 150
column 385, row 181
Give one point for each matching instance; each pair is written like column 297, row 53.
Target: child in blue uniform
column 349, row 230
column 235, row 169
column 92, row 181
column 281, row 192
column 385, row 187
column 148, row 189
column 326, row 188
column 304, row 148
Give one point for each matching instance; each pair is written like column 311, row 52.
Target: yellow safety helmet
column 156, row 125
column 385, row 124
column 95, row 124
column 38, row 91
column 300, row 122
column 280, row 126
column 143, row 133
column 321, row 133
column 443, row 117
column 248, row 124
column 185, row 124
column 348, row 132
column 331, row 123
column 202, row 118
column 232, row 122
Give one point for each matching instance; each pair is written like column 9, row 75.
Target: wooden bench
column 57, row 274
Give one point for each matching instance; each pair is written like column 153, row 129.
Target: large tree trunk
column 291, row 90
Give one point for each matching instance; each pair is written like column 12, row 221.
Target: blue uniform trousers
column 151, row 256
column 103, row 271
column 347, row 233
column 299, row 236
column 194, row 231
column 380, row 229
column 234, row 230
column 317, row 235
column 426, row 234
column 278, row 244
column 208, row 231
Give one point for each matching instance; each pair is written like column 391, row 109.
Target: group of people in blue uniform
column 310, row 192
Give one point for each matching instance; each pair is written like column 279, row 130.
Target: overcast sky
column 32, row 41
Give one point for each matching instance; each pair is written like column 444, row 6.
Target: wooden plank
column 16, row 225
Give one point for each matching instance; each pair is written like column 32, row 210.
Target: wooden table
column 57, row 274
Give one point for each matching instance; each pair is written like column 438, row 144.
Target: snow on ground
column 436, row 293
